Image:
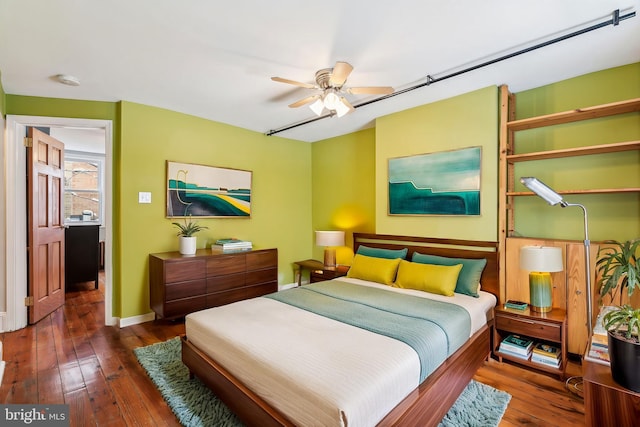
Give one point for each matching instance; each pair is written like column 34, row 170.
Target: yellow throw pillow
column 437, row 279
column 373, row 269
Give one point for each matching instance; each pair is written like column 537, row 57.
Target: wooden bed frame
column 430, row 401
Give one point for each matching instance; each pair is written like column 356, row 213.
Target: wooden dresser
column 180, row 284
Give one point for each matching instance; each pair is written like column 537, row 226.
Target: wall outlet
column 144, row 197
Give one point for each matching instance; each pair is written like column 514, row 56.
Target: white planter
column 188, row 245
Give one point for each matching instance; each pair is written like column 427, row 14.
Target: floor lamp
column 553, row 198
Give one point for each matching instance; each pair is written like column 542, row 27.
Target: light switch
column 144, row 197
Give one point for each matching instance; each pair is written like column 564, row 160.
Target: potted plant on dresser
column 186, row 234
column 618, row 264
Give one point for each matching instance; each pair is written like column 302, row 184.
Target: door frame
column 16, row 208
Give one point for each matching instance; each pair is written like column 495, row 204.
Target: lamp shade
column 541, row 258
column 330, row 238
column 541, row 190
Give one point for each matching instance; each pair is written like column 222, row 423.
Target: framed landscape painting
column 443, row 183
column 207, row 191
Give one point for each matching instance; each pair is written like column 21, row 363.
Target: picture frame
column 207, row 191
column 441, row 183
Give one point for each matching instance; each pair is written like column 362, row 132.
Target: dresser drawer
column 184, row 270
column 262, row 259
column 226, row 264
column 184, row 306
column 223, row 283
column 182, row 290
column 261, row 276
column 550, row 331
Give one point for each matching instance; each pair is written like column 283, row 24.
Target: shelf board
column 572, row 152
column 528, row 362
column 595, row 191
column 576, row 115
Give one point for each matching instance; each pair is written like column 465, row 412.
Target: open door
column 45, row 187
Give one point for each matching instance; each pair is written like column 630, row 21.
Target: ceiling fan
column 330, row 81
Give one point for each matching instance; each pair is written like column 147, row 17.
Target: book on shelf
column 508, row 352
column 516, row 305
column 517, row 344
column 598, row 354
column 598, row 350
column 547, row 350
column 543, row 360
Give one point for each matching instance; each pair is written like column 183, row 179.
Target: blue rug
column 195, row 405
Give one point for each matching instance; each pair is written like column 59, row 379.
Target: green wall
column 343, row 188
column 144, row 139
column 472, row 119
column 463, row 121
column 281, row 179
column 342, row 182
column 611, row 216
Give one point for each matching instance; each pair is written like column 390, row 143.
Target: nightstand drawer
column 539, row 328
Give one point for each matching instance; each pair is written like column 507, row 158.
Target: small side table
column 318, row 272
column 551, row 326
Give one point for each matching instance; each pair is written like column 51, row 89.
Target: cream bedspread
column 316, row 371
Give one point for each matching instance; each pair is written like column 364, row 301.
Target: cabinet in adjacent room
column 82, row 254
column 181, row 284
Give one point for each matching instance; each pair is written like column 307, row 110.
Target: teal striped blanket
column 434, row 329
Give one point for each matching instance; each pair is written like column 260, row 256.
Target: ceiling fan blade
column 304, row 101
column 340, row 73
column 293, row 82
column 375, row 90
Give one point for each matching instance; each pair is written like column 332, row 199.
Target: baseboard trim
column 287, row 286
column 135, row 320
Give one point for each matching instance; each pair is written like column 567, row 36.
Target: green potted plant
column 186, row 234
column 618, row 264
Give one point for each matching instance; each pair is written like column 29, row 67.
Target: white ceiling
column 214, row 60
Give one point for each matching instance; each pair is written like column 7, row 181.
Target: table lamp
column 330, row 239
column 540, row 261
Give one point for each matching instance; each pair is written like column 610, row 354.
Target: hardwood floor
column 71, row 357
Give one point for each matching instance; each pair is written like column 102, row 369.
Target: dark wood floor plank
column 72, row 357
column 103, row 402
column 80, row 411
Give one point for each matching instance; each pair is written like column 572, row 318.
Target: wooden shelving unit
column 509, row 127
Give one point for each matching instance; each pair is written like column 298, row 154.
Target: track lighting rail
column 615, row 20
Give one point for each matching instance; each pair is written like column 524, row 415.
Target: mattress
column 316, row 370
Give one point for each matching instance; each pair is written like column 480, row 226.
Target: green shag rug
column 195, row 405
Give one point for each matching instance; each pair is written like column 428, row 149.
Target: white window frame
column 83, row 156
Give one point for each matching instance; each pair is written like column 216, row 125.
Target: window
column 83, row 190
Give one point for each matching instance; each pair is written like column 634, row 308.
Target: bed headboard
column 443, row 247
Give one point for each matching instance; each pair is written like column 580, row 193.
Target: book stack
column 230, row 244
column 546, row 354
column 599, row 344
column 517, row 346
column 516, row 305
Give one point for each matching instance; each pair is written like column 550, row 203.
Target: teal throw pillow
column 469, row 277
column 382, row 253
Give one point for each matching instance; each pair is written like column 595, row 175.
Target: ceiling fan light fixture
column 317, row 107
column 331, row 100
column 342, row 108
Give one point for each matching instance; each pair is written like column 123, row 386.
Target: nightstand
column 548, row 327
column 318, row 272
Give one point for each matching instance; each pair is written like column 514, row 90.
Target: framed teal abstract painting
column 443, row 183
column 207, row 191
